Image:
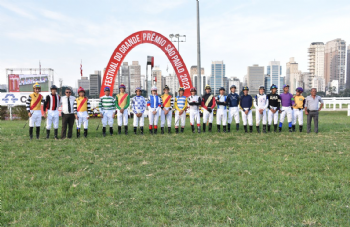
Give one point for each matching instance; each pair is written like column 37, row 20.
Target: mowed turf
column 207, row 179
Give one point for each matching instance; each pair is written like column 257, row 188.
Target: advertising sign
column 24, row 83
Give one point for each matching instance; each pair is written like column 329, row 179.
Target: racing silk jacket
column 82, row 104
column 194, row 102
column 121, row 102
column 286, row 99
column 232, row 100
column 52, row 102
column 106, row 103
column 138, row 104
column 180, row 103
column 34, row 102
column 274, row 101
column 208, row 104
column 154, row 103
column 246, row 102
column 169, row 104
column 221, row 102
column 298, row 102
column 261, row 102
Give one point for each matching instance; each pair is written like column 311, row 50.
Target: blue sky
column 241, row 33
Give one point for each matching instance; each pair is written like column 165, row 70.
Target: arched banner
column 146, row 37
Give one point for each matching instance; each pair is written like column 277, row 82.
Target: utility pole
column 199, row 69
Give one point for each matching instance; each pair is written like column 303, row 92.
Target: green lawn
column 233, row 179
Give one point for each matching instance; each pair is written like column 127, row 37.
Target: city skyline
column 60, row 38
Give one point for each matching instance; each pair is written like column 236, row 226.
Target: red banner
column 136, row 39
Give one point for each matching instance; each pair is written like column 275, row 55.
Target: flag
column 81, row 68
column 39, row 68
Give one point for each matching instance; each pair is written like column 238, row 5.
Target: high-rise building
column 95, row 84
column 204, row 82
column 348, row 70
column 234, row 81
column 292, row 74
column 173, row 83
column 306, row 79
column 255, row 78
column 143, row 82
column 84, row 83
column 157, row 74
column 267, row 83
column 334, row 67
column 193, row 72
column 316, row 58
column 218, row 72
column 135, row 75
column 274, row 69
column 117, row 82
column 318, row 83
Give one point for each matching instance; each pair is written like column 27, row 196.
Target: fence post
column 348, row 109
column 334, row 104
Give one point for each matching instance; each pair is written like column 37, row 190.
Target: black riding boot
column 111, row 130
column 290, row 129
column 141, row 129
column 269, row 128
column 177, row 130
column 258, row 129
column 135, row 130
column 293, row 128
column 103, row 131
column 169, row 130
column 279, row 129
column 85, row 132
column 264, row 128
column 228, row 127
column 218, row 126
column 245, row 129
column 78, row 133
column 210, row 126
column 151, row 131
column 300, row 128
column 192, row 126
column 199, row 129
column 155, row 131
column 237, row 127
column 251, row 129
column 162, row 130
column 182, row 130
column 126, row 130
column 204, row 125
column 30, row 132
column 119, row 129
column 37, row 132
column 275, row 128
column 56, row 132
column 47, row 134
column 224, row 128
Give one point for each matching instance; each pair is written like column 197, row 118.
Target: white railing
column 333, row 102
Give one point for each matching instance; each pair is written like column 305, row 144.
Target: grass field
column 233, row 179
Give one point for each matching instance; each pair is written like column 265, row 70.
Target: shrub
column 21, row 112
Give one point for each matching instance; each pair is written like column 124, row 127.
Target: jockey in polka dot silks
column 138, row 107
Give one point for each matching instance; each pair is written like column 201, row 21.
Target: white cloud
column 16, row 10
